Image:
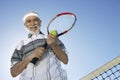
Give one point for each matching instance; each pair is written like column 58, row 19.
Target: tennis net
column 109, row 71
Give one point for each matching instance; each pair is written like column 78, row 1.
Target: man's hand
column 37, row 53
column 52, row 40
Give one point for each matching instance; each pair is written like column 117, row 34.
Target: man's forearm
column 60, row 54
column 19, row 67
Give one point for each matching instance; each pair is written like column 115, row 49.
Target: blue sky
column 91, row 43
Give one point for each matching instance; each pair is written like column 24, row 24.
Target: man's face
column 32, row 23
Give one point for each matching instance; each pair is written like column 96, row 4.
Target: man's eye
column 36, row 19
column 28, row 21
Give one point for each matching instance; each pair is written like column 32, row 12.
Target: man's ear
column 40, row 22
column 25, row 25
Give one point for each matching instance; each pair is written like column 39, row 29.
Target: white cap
column 32, row 13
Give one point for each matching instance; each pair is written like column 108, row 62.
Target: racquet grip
column 45, row 45
column 34, row 60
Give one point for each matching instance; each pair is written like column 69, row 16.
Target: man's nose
column 32, row 23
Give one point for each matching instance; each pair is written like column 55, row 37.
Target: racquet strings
column 61, row 23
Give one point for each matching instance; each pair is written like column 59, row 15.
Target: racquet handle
column 34, row 60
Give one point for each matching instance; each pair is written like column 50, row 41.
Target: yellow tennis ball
column 54, row 32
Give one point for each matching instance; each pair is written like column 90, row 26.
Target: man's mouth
column 33, row 28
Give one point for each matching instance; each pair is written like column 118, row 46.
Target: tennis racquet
column 60, row 25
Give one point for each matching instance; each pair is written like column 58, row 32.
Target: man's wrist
column 54, row 46
column 30, row 58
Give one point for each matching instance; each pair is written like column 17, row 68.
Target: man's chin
column 34, row 32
